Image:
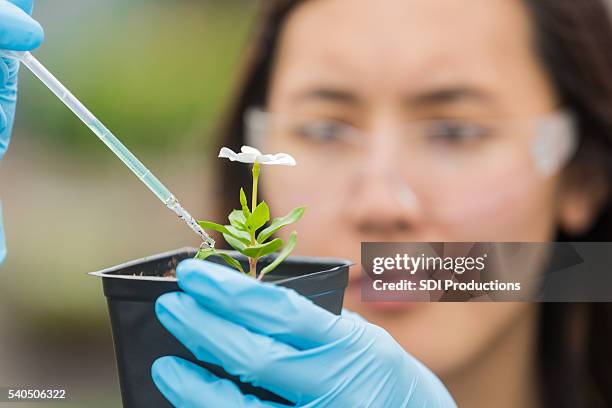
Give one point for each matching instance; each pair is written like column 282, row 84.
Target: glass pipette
column 109, row 139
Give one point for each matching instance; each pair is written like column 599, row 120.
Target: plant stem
column 252, row 267
column 255, row 181
column 253, row 261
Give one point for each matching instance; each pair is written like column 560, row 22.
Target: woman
column 413, row 121
column 377, row 66
column 355, row 62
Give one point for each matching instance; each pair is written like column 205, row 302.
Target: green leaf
column 260, row 250
column 247, row 215
column 243, row 199
column 260, row 216
column 235, row 243
column 283, row 254
column 213, row 226
column 239, row 234
column 245, row 208
column 230, row 261
column 206, row 252
column 280, row 222
column 237, row 219
column 227, row 229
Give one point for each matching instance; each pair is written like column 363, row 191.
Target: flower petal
column 228, row 153
column 280, row 159
column 250, row 150
column 247, row 157
column 265, row 158
column 250, row 154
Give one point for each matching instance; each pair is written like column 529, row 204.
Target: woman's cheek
column 517, row 207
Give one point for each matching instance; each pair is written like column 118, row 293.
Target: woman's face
column 385, row 68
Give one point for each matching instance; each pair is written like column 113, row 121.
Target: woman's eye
column 322, row 131
column 455, row 132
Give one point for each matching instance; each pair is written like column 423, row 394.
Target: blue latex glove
column 276, row 339
column 18, row 32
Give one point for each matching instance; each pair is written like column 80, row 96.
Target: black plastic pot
column 132, row 288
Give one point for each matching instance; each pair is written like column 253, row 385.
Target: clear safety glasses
column 429, row 161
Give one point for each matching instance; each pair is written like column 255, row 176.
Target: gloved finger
column 353, row 316
column 4, row 73
column 18, row 31
column 185, row 384
column 25, row 5
column 4, row 137
column 271, row 310
column 255, row 358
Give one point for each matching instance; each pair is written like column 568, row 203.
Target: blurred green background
column 159, row 74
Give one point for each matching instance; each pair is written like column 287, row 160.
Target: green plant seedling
column 250, row 230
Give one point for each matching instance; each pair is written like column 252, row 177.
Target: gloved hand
column 276, row 339
column 18, row 32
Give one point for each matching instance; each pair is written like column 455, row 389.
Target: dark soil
column 169, row 273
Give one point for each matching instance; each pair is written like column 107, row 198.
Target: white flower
column 249, row 154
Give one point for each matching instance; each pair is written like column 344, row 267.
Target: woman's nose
column 382, row 203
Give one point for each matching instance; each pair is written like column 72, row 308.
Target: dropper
column 109, row 139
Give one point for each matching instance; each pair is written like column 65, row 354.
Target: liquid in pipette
column 175, row 206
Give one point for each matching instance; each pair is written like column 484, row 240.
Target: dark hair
column 574, row 42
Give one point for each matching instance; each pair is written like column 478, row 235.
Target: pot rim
column 107, row 272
